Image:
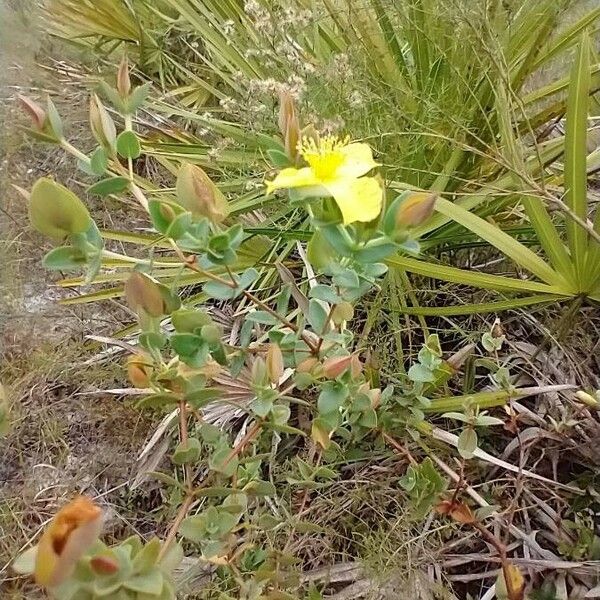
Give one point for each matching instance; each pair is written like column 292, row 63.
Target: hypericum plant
column 293, row 352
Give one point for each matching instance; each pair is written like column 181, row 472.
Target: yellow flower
column 336, row 168
column 71, row 532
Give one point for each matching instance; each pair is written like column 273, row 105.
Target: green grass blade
column 475, row 279
column 549, row 237
column 522, row 255
column 480, row 307
column 575, row 155
column 569, row 37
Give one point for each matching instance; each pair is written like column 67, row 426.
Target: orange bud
column 34, row 110
column 139, row 371
column 307, row 365
column 104, row 565
column 123, row 81
column 416, row 209
column 70, row 533
column 142, row 292
column 287, row 111
column 333, row 367
column 274, row 363
column 291, row 138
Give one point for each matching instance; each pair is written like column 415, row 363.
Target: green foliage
column 424, row 486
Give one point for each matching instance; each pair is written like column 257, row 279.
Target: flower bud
column 139, row 370
column 199, row 195
column 408, row 210
column 259, row 372
column 289, row 125
column 336, row 365
column 291, row 139
column 355, row 366
column 104, row 565
column 103, row 127
column 416, row 209
column 56, row 211
column 274, row 363
column 375, row 397
column 344, row 311
column 587, row 399
column 123, row 80
column 307, row 365
column 287, row 111
column 517, row 583
column 34, row 110
column 143, row 293
column 70, row 533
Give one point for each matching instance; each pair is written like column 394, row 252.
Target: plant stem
column 129, row 127
column 399, row 448
column 191, row 492
column 233, row 285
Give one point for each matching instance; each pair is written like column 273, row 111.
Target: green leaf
column 261, row 406
column 465, row 277
column 157, row 401
column 55, row 120
column 326, row 293
column 111, row 185
column 420, row 373
column 137, row 98
column 332, row 397
column 467, row 442
column 98, row 161
column 149, row 583
column 258, row 487
column 186, row 320
column 218, row 462
column 187, row 452
column 128, row 145
column 263, row 317
column 64, row 258
column 278, row 158
column 146, row 558
column 317, row 315
column 112, row 95
column 575, row 155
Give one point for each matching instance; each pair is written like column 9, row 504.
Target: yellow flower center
column 325, row 157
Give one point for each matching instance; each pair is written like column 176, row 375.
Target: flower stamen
column 324, row 157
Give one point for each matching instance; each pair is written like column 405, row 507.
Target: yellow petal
column 292, row 178
column 72, row 531
column 358, row 160
column 358, row 199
